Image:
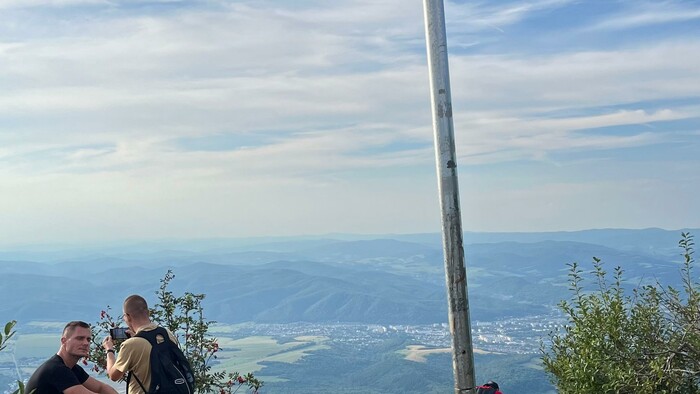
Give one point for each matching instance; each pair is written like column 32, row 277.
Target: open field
column 418, row 353
column 36, row 345
column 47, row 325
column 248, row 354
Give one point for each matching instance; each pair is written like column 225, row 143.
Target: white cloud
column 96, row 111
column 9, row 4
column 640, row 14
column 580, row 79
column 473, row 17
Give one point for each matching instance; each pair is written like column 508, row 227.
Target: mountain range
column 389, row 279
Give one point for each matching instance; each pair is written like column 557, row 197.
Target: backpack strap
column 131, row 373
column 152, row 337
column 128, row 378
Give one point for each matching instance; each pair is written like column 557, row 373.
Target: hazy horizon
column 281, row 237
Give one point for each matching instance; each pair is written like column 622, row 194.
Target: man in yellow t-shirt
column 135, row 352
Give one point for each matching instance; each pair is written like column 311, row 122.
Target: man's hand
column 112, row 372
column 107, row 343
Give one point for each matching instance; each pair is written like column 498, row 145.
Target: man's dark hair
column 70, row 327
column 136, row 306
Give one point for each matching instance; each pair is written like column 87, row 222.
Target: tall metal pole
column 455, row 272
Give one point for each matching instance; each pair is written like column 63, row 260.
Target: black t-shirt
column 53, row 376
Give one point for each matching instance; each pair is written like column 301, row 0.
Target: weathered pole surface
column 443, row 128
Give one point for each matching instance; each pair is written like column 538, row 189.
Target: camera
column 118, row 333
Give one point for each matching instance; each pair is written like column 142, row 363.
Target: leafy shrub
column 645, row 343
column 184, row 317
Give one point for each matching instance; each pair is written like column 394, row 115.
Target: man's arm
column 99, row 387
column 112, row 372
column 79, row 389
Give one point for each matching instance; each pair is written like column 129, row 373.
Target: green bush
column 184, row 316
column 643, row 343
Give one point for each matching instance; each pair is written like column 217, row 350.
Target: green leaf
column 9, row 325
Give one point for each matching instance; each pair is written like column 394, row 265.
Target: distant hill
column 390, row 279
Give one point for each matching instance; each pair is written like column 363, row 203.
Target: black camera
column 118, row 333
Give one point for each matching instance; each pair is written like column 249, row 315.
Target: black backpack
column 171, row 373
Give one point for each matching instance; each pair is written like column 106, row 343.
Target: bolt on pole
column 443, row 128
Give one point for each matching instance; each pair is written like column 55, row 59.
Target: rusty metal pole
column 443, row 128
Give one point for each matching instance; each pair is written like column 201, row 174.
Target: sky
column 125, row 119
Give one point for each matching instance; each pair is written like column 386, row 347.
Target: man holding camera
column 134, row 353
column 61, row 373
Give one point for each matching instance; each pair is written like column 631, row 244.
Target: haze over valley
column 370, row 303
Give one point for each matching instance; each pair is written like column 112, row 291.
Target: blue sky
column 155, row 119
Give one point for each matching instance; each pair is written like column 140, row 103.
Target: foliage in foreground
column 8, row 333
column 184, row 317
column 644, row 343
